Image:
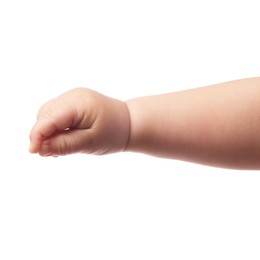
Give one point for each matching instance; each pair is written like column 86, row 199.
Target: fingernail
column 46, row 150
column 31, row 148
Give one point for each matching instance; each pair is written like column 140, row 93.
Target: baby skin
column 217, row 125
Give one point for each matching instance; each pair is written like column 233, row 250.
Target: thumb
column 66, row 142
column 50, row 125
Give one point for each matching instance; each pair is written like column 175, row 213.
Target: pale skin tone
column 216, row 125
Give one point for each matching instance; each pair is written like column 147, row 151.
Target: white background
column 121, row 206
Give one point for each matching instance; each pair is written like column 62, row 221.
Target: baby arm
column 216, row 125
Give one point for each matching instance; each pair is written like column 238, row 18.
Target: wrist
column 135, row 122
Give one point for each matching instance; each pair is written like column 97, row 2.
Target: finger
column 50, row 123
column 67, row 142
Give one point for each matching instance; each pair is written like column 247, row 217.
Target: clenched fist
column 80, row 121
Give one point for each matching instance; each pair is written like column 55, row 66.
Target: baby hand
column 80, row 121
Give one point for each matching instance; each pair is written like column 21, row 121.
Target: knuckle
column 64, row 147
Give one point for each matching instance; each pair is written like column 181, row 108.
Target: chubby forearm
column 216, row 125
